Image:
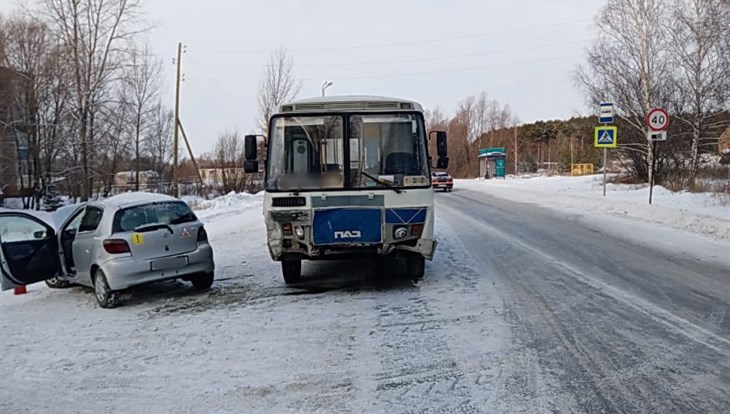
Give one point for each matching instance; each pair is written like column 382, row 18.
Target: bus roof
column 350, row 103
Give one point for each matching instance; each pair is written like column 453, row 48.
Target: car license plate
column 169, row 263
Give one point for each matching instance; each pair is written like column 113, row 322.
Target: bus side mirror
column 250, row 150
column 250, row 166
column 441, row 147
column 250, row 147
column 442, row 162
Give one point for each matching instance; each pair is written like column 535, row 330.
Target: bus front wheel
column 291, row 270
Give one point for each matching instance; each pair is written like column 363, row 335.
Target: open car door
column 28, row 250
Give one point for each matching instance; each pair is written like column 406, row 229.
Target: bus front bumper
column 286, row 248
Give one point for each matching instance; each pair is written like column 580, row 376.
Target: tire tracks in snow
column 583, row 330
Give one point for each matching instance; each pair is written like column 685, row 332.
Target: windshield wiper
column 377, row 180
column 152, row 227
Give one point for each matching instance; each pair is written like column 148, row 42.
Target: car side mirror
column 442, row 163
column 40, row 234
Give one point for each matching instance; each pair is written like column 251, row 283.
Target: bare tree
column 228, row 159
column 699, row 35
column 115, row 135
column 278, row 86
column 142, row 84
column 29, row 49
column 157, row 145
column 516, row 146
column 629, row 64
column 435, row 119
column 93, row 33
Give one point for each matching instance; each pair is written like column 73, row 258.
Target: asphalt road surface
column 597, row 323
column 523, row 310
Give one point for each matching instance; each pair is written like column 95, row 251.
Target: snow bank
column 230, row 203
column 703, row 213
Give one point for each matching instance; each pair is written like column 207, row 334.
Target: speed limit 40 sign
column 657, row 120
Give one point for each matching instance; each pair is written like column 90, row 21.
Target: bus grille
column 289, row 202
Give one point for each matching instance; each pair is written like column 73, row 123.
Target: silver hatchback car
column 108, row 245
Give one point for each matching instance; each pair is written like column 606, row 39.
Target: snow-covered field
column 702, row 213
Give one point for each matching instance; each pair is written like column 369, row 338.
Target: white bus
column 348, row 177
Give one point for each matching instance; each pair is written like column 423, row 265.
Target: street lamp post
column 325, row 85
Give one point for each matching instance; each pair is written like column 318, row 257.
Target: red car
column 440, row 179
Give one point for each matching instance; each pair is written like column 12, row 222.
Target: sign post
column 605, row 137
column 657, row 120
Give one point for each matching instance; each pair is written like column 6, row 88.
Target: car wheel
column 57, row 283
column 415, row 266
column 203, row 281
column 291, row 270
column 105, row 297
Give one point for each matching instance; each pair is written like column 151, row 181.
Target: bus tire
column 415, row 266
column 291, row 270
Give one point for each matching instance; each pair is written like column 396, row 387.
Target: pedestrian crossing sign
column 605, row 137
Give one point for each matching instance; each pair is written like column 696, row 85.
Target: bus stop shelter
column 492, row 162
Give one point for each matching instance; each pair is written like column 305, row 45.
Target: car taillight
column 116, row 246
column 202, row 234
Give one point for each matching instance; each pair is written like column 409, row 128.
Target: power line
column 416, row 60
column 213, row 103
column 409, row 43
column 222, row 89
column 413, row 73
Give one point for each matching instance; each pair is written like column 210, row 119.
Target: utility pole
column 517, row 159
column 192, row 157
column 175, row 190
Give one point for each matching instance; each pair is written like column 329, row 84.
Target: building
column 213, row 177
column 126, row 181
column 723, row 145
column 14, row 153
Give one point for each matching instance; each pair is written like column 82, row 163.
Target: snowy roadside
column 700, row 213
column 229, row 204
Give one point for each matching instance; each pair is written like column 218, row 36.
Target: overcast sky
column 435, row 52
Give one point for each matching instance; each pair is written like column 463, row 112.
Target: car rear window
column 171, row 213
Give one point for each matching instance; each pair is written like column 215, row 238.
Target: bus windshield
column 382, row 150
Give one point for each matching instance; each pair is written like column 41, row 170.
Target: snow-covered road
column 523, row 310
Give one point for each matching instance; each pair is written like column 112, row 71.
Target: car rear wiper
column 184, row 219
column 377, row 180
column 152, row 227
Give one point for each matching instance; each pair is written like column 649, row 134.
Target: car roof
column 134, row 199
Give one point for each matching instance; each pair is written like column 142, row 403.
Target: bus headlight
column 299, row 232
column 400, row 232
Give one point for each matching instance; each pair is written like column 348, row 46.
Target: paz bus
column 348, row 177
